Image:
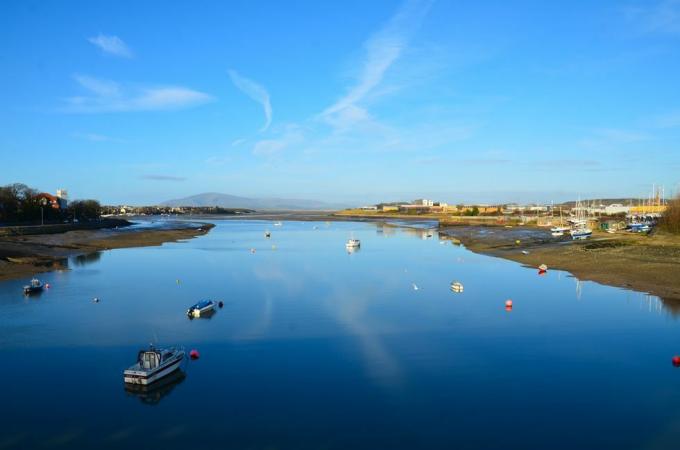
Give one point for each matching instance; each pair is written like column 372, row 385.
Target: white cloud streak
column 112, row 45
column 381, row 51
column 255, row 92
column 108, row 96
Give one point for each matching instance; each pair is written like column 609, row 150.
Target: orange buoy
column 508, row 303
column 194, row 354
column 541, row 272
column 676, row 361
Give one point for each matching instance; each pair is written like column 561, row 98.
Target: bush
column 670, row 221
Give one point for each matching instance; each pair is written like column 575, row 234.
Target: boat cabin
column 150, row 359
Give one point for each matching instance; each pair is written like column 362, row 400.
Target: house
column 388, row 208
column 48, row 200
column 423, row 202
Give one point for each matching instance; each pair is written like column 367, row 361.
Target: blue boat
column 204, row 307
column 35, row 286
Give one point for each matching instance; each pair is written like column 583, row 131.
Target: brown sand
column 643, row 263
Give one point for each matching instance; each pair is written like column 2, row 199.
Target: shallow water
column 317, row 348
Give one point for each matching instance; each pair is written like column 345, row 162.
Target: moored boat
column 153, row 364
column 457, row 286
column 34, row 286
column 353, row 243
column 203, row 307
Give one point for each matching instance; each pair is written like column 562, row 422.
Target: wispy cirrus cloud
column 291, row 135
column 256, row 92
column 112, row 45
column 162, row 177
column 381, row 51
column 660, row 17
column 95, row 137
column 109, row 96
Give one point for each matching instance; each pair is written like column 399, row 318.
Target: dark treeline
column 21, row 204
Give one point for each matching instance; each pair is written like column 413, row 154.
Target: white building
column 423, row 202
column 616, row 208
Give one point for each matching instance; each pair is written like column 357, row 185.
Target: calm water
column 316, row 348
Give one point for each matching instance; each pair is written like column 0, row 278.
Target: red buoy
column 194, row 354
column 508, row 303
column 541, row 272
column 676, row 361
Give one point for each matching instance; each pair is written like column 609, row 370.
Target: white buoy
column 415, row 288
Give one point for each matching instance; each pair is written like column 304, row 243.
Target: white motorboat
column 202, row 308
column 353, row 243
column 457, row 286
column 153, row 364
column 277, row 224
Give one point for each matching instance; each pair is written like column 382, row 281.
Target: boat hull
column 146, row 378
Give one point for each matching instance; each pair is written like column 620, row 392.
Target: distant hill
column 233, row 201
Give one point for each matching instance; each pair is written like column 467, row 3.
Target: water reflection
column 152, row 394
column 86, row 259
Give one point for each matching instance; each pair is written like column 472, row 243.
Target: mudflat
column 647, row 263
column 22, row 256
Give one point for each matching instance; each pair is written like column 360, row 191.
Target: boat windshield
column 148, row 360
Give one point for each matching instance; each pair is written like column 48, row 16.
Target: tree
column 670, row 221
column 84, row 210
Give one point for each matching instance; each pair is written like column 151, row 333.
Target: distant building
column 616, row 208
column 388, row 208
column 62, row 196
column 48, row 200
column 369, row 208
column 423, row 202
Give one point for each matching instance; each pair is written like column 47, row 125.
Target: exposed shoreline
column 26, row 255
column 638, row 262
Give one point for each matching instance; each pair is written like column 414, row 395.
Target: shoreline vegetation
column 646, row 263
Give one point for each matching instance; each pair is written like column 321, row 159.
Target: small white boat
column 457, row 286
column 581, row 233
column 153, row 364
column 557, row 233
column 35, row 286
column 201, row 308
column 353, row 243
column 277, row 224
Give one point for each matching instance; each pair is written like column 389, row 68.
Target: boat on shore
column 33, row 287
column 581, row 233
column 153, row 364
column 202, row 308
column 559, row 231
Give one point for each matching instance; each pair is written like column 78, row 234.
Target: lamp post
column 43, row 202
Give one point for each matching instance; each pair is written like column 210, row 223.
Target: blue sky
column 353, row 101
